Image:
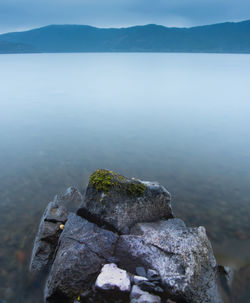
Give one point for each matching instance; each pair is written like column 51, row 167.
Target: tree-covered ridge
column 218, row 38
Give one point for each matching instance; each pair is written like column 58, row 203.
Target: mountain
column 12, row 47
column 230, row 37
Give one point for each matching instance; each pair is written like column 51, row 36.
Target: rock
column 83, row 248
column 130, row 223
column 71, row 199
column 139, row 296
column 47, row 236
column 226, row 275
column 182, row 256
column 150, row 287
column 158, row 290
column 54, row 217
column 153, row 275
column 240, row 291
column 113, row 279
column 147, row 286
column 141, row 271
column 225, row 279
column 136, row 292
column 117, row 202
column 138, row 279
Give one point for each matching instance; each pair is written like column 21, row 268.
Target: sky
column 16, row 15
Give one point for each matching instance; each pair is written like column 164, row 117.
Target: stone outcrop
column 122, row 245
column 117, row 202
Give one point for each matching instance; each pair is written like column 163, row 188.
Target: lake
column 180, row 119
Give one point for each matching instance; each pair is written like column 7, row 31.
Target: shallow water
column 180, row 119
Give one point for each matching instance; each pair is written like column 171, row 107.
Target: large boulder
column 83, row 249
column 182, row 256
column 50, row 228
column 117, row 202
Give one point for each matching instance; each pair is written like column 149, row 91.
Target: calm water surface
column 180, row 119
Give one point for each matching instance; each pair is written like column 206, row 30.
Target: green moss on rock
column 135, row 188
column 102, row 180
column 106, row 180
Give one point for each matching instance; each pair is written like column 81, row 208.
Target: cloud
column 20, row 14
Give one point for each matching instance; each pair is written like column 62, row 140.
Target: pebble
column 61, row 226
column 139, row 296
column 141, row 271
column 138, row 279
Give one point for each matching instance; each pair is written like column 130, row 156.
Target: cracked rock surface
column 47, row 236
column 83, row 248
column 182, row 256
column 55, row 214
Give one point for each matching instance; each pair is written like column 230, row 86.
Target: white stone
column 113, row 278
column 139, row 296
column 138, row 279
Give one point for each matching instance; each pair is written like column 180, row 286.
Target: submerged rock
column 83, row 248
column 182, row 256
column 117, row 202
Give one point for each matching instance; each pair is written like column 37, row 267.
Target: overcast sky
column 26, row 14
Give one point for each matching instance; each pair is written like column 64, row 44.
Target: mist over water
column 180, row 119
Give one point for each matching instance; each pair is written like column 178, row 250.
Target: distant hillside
column 11, row 47
column 218, row 38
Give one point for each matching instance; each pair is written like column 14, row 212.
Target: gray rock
column 158, row 290
column 141, row 271
column 114, row 279
column 147, row 286
column 153, row 275
column 71, row 199
column 182, row 256
column 49, row 230
column 117, row 202
column 139, row 296
column 83, row 248
column 226, row 275
column 138, row 279
column 47, row 236
column 151, row 287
